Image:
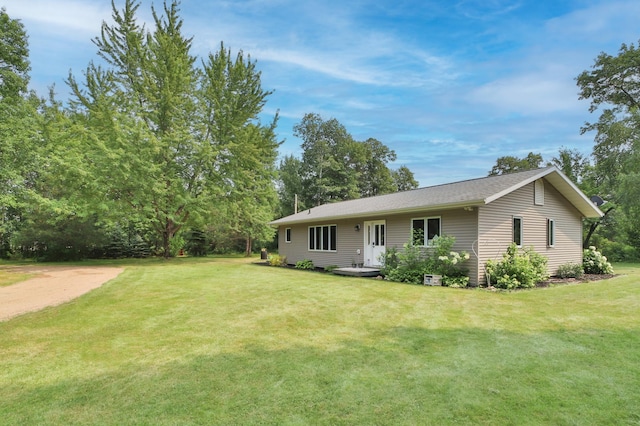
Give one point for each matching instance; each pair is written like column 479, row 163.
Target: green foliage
column 14, row 57
column 617, row 251
column 196, row 243
column 335, row 167
column 52, row 239
column 517, row 269
column 412, row 262
column 594, row 262
column 305, row 264
column 276, row 260
column 171, row 141
column 510, row 164
column 330, row 268
column 612, row 84
column 570, row 270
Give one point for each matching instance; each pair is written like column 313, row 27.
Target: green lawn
column 224, row 341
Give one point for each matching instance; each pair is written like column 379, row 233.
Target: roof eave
column 301, row 220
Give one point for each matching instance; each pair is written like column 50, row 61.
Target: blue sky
column 449, row 85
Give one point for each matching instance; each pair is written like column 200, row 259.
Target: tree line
column 612, row 170
column 157, row 150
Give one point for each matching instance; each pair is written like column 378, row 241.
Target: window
column 551, row 232
column 287, row 235
column 323, row 238
column 517, row 231
column 424, row 230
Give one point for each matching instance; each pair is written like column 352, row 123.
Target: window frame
column 287, row 235
column 425, row 220
column 521, row 230
column 322, row 238
column 551, row 233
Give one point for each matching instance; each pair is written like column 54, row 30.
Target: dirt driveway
column 52, row 286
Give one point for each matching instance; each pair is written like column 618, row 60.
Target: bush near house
column 518, row 269
column 305, row 264
column 276, row 260
column 594, row 262
column 412, row 262
column 570, row 270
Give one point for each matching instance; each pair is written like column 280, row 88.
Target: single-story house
column 538, row 208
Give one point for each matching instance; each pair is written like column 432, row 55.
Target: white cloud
column 529, row 94
column 75, row 18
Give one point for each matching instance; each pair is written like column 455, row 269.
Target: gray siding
column 495, row 227
column 348, row 242
column 459, row 223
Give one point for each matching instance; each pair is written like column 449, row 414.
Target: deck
column 358, row 272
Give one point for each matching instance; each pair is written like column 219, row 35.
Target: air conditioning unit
column 430, row 279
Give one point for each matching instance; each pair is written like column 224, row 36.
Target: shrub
column 276, row 260
column 330, row 268
column 411, row 263
column 594, row 262
column 570, row 270
column 305, row 264
column 517, row 269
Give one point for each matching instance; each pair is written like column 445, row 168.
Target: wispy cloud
column 73, row 18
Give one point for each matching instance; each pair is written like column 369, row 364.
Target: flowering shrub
column 449, row 267
column 412, row 262
column 594, row 262
column 517, row 269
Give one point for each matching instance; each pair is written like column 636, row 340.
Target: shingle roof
column 474, row 192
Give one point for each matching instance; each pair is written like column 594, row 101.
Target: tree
column 251, row 208
column 335, row 167
column 573, row 164
column 614, row 83
column 14, row 57
column 19, row 129
column 403, row 179
column 163, row 140
column 329, row 170
column 290, row 186
column 375, row 177
column 511, row 164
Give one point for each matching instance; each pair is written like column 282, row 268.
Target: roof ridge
column 478, row 178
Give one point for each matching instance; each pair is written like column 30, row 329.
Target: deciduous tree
column 163, row 139
column 511, row 164
column 613, row 84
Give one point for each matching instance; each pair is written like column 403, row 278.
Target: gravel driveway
column 52, row 286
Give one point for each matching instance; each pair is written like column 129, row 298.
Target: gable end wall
column 495, row 227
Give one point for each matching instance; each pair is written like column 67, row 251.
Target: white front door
column 374, row 237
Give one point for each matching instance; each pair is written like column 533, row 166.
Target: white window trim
column 426, row 242
column 513, row 230
column 287, row 235
column 315, row 249
column 551, row 233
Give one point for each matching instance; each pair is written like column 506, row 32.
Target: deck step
column 358, row 272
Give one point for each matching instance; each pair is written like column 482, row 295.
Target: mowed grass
column 9, row 277
column 225, row 341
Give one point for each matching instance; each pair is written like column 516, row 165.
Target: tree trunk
column 166, row 244
column 248, row 247
column 593, row 228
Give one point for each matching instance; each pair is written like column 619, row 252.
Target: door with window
column 374, row 240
